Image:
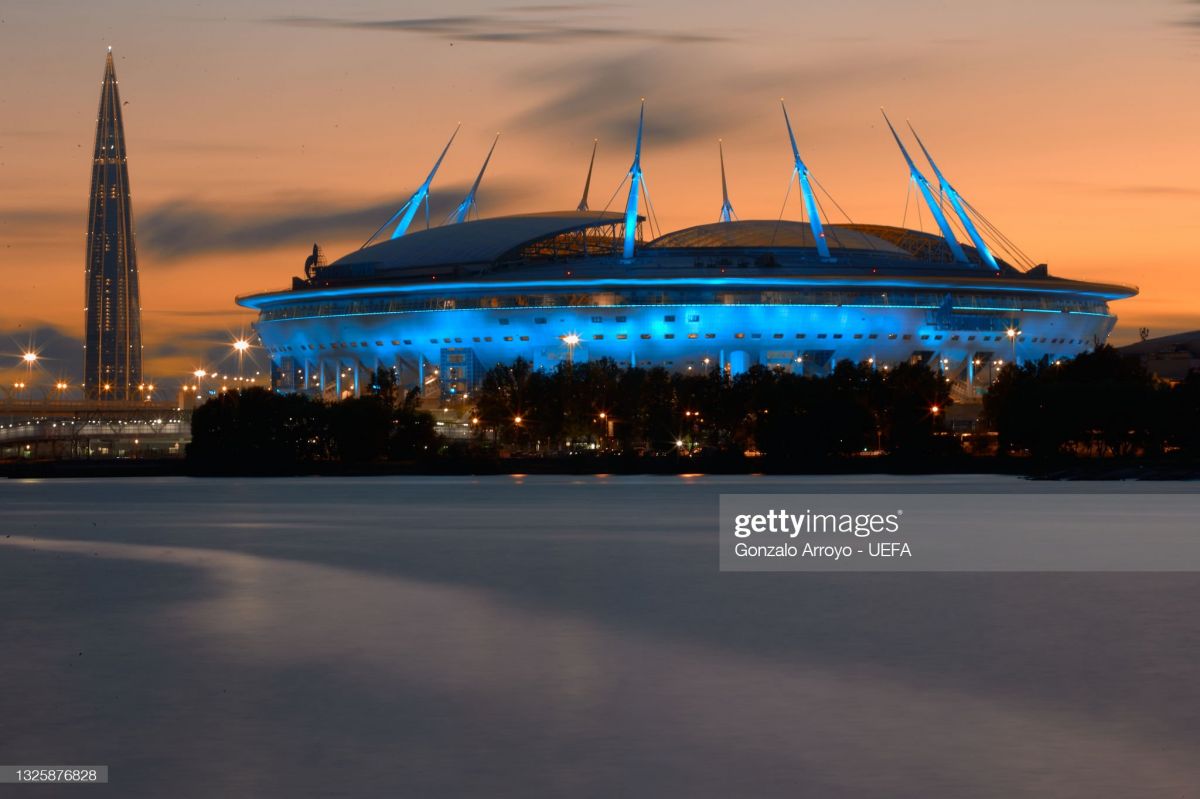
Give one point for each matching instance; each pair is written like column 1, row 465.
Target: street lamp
column 572, row 341
column 1012, row 334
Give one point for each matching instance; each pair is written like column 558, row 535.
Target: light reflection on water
column 560, row 636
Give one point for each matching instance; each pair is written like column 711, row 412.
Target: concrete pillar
column 357, row 367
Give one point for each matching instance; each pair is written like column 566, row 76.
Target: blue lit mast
column 727, row 214
column 800, row 172
column 635, row 185
column 956, row 202
column 923, row 184
column 460, row 213
column 587, row 184
column 421, row 195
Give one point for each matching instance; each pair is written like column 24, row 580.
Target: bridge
column 68, row 429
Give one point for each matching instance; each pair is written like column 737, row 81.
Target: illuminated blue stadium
column 441, row 306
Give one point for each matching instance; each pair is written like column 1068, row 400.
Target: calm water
column 560, row 637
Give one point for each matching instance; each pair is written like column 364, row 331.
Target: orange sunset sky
column 257, row 128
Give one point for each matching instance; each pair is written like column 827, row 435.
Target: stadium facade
column 443, row 304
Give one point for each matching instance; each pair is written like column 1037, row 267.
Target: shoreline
column 1063, row 469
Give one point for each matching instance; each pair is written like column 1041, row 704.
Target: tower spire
column 587, row 184
column 464, row 208
column 956, row 203
column 800, row 173
column 635, row 184
column 112, row 326
column 727, row 214
column 947, row 232
column 421, row 195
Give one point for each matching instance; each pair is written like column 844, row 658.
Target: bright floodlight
column 199, row 373
column 30, row 357
column 571, row 339
column 241, row 345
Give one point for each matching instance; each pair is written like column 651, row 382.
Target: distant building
column 112, row 328
column 1168, row 357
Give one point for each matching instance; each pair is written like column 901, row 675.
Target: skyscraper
column 113, row 331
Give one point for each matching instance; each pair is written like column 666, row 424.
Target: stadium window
column 408, row 341
column 433, row 341
column 475, row 339
column 668, row 335
column 822, row 335
column 597, row 336
column 645, row 336
column 858, row 335
column 955, row 338
column 446, row 341
column 621, row 318
column 693, row 335
column 937, row 338
column 457, row 340
column 504, row 321
column 524, row 338
column 539, row 320
column 622, row 336
column 395, row 343
column 693, row 317
column 925, row 337
column 353, row 343
column 669, row 318
column 970, row 338
column 739, row 335
column 873, row 336
column 710, row 335
column 891, row 336
column 801, row 335
column 837, row 335
column 508, row 338
column 487, row 339
column 597, row 320
column 365, row 344
column 908, row 336
column 378, row 343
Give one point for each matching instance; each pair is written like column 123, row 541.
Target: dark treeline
column 599, row 405
column 256, row 428
column 1099, row 404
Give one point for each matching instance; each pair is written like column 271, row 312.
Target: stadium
column 443, row 304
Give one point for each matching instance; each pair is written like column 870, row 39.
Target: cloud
column 1193, row 20
column 183, row 228
column 599, row 97
column 514, row 27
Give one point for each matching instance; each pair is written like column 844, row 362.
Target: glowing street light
column 241, row 345
column 572, row 341
column 1012, row 334
column 30, row 358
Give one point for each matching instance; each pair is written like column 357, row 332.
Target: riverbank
column 1056, row 469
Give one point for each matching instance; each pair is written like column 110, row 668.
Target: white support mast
column 727, row 214
column 463, row 210
column 635, row 185
column 955, row 248
column 587, row 184
column 420, row 196
column 956, row 202
column 800, row 172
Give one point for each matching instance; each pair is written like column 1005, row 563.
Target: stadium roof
column 480, row 241
column 772, row 233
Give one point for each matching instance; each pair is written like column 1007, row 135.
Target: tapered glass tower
column 113, row 332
